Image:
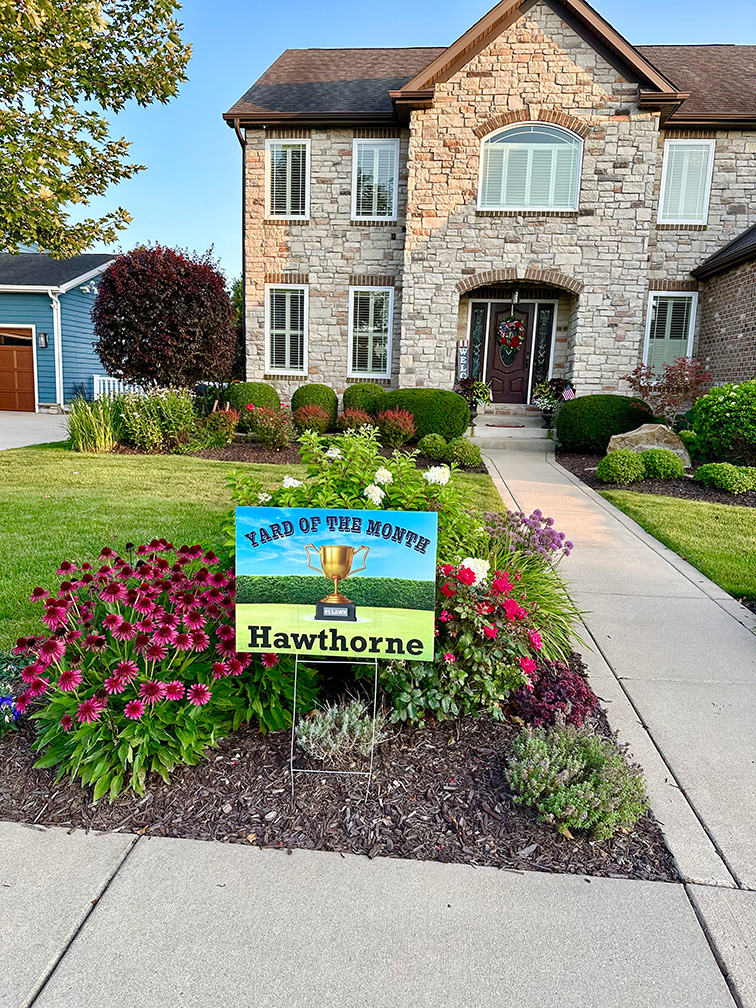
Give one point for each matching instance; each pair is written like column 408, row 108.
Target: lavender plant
column 530, row 534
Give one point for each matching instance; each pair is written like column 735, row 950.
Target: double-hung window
column 371, row 320
column 686, row 181
column 375, row 179
column 669, row 328
column 287, row 179
column 286, row 329
column 530, row 166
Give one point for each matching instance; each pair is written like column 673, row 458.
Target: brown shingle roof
column 721, row 78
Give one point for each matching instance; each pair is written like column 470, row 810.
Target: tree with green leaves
column 63, row 66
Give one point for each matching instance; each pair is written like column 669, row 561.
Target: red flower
column 501, row 585
column 445, row 617
column 446, row 569
column 174, row 690
column 134, row 710
column 513, row 610
column 152, row 691
column 66, row 722
column 466, row 576
column 89, row 711
column 527, row 665
column 449, row 657
column 491, row 631
column 269, row 659
column 199, row 694
column 448, row 590
column 69, row 679
column 220, row 670
column 114, row 684
column 535, row 639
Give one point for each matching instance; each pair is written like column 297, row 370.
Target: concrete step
column 488, row 422
column 512, row 438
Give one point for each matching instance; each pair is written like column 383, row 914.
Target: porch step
column 496, row 423
column 525, row 434
column 509, row 409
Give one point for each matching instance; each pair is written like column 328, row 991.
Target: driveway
column 17, row 430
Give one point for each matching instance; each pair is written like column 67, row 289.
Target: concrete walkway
column 17, row 430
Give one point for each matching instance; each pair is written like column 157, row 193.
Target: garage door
column 16, row 369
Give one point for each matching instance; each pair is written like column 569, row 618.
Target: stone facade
column 727, row 309
column 599, row 262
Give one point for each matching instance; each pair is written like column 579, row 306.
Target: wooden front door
column 16, row 370
column 508, row 370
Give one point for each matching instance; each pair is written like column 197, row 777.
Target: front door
column 508, row 368
column 16, row 369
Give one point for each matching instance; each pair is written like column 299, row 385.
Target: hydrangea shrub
column 724, row 421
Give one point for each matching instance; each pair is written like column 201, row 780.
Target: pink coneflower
column 69, row 679
column 112, row 592
column 145, row 625
column 212, row 610
column 164, row 634
column 244, row 659
column 220, row 670
column 66, row 722
column 22, row 702
column 86, row 579
column 235, row 667
column 211, row 558
column 202, row 576
column 112, row 621
column 126, row 670
column 66, row 588
column 94, row 642
column 228, row 602
column 141, row 642
column 125, row 572
column 55, row 615
column 21, row 647
column 185, row 601
column 194, row 552
column 125, row 632
column 224, row 630
column 89, row 711
column 114, row 684
column 66, row 568
column 183, row 642
column 155, row 651
column 73, row 635
column 199, row 694
column 142, row 550
column 51, row 650
column 38, row 594
column 174, row 690
column 134, row 710
column 200, row 640
column 143, row 604
column 106, row 553
column 31, row 672
column 194, row 620
column 269, row 659
column 226, row 647
column 219, row 579
column 152, row 691
column 169, row 619
column 213, row 595
column 37, row 687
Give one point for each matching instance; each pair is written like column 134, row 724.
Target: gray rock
column 651, row 436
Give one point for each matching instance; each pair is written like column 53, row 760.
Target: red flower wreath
column 510, row 333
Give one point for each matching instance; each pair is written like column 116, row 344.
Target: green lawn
column 718, row 539
column 56, row 505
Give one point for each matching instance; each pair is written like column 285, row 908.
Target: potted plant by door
column 547, row 395
column 475, row 392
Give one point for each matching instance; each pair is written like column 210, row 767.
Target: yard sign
column 337, row 583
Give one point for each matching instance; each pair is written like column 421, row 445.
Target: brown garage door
column 16, row 369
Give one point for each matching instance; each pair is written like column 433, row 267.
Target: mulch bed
column 438, row 794
column 584, row 467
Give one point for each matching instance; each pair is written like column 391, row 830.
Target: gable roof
column 34, row 269
column 740, row 250
column 721, row 79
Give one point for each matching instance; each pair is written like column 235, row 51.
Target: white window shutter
column 371, row 322
column 530, row 167
column 375, row 178
column 287, row 180
column 687, row 174
column 286, row 328
column 669, row 331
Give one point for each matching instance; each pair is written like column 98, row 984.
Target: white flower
column 289, row 483
column 263, row 498
column 383, row 476
column 438, row 474
column 479, row 567
column 374, row 493
column 333, row 453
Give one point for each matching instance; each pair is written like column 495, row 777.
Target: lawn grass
column 718, row 539
column 56, row 505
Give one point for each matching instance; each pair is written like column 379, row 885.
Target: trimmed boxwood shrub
column 621, row 466
column 251, row 393
column 317, row 395
column 463, row 452
column 587, row 423
column 661, row 463
column 434, row 446
column 725, row 422
column 365, row 396
column 436, row 411
column 379, row 593
column 724, row 476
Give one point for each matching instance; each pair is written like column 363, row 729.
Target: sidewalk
column 17, row 430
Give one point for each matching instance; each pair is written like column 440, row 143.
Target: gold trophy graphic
column 336, row 564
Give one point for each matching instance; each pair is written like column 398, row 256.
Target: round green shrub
column 433, row 445
column 317, row 395
column 365, row 396
column 725, row 422
column 464, row 452
column 587, row 424
column 621, row 466
column 436, row 411
column 689, row 440
column 661, row 463
column 725, row 476
column 243, row 394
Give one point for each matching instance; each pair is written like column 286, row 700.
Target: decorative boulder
column 651, row 436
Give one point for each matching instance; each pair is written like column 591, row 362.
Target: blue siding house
column 46, row 337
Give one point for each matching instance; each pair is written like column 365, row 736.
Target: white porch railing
column 104, row 385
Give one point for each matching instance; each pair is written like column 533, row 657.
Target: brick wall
column 727, row 310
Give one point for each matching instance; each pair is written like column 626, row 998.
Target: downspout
column 57, row 346
column 241, row 138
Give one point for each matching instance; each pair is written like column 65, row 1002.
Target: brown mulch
column 584, row 467
column 438, row 794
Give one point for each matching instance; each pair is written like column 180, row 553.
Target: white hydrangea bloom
column 374, row 494
column 333, row 453
column 479, row 567
column 438, row 474
column 383, row 476
column 264, row 498
column 289, row 483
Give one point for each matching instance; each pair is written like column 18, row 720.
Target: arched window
column 530, row 166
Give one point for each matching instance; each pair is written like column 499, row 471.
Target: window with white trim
column 375, row 179
column 286, row 329
column 686, row 181
column 530, row 167
column 288, row 179
column 671, row 320
column 371, row 320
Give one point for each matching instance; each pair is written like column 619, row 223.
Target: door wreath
column 511, row 333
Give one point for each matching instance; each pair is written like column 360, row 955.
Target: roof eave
column 719, row 120
column 709, row 269
column 257, row 119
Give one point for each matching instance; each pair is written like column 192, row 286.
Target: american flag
column 569, row 393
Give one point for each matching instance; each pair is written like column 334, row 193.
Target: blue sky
column 189, row 196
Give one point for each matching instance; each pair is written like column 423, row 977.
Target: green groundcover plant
column 139, row 671
column 352, row 474
column 621, row 466
column 576, row 779
column 725, row 476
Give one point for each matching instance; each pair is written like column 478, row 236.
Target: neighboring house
column 46, row 354
column 401, row 202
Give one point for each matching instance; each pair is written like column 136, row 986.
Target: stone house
column 401, row 205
